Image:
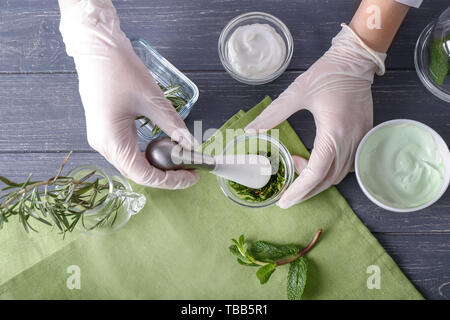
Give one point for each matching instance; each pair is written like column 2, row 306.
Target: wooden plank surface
column 424, row 259
column 186, row 32
column 43, row 112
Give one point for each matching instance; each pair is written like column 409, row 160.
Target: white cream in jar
column 256, row 51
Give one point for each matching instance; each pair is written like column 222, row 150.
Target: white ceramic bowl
column 250, row 18
column 442, row 149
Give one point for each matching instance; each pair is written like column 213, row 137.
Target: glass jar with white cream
column 255, row 48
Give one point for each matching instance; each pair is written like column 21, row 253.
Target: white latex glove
column 115, row 88
column 336, row 89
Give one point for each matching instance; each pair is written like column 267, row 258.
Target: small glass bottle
column 119, row 205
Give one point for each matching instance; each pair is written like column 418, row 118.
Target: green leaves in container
column 296, row 279
column 439, row 63
column 272, row 188
column 268, row 257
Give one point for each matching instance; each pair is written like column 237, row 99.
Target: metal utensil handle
column 193, row 160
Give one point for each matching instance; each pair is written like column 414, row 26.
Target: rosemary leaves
column 61, row 201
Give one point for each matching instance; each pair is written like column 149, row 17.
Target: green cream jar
column 403, row 165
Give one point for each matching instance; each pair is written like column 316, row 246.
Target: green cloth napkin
column 177, row 248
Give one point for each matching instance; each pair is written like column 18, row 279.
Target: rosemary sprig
column 176, row 95
column 60, row 201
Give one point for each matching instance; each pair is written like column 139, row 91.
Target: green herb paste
column 274, row 186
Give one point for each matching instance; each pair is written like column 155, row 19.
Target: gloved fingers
column 164, row 115
column 65, row 3
column 289, row 102
column 133, row 165
column 141, row 172
column 334, row 176
column 320, row 188
column 300, row 163
column 319, row 164
column 183, row 137
column 118, row 143
column 90, row 28
column 176, row 179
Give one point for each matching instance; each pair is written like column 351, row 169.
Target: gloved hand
column 115, row 88
column 336, row 89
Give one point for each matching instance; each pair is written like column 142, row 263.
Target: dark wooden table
column 42, row 117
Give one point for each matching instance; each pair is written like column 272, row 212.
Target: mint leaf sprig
column 268, row 256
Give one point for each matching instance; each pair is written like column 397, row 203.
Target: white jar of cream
column 255, row 48
column 403, row 165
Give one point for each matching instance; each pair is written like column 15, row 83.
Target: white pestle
column 250, row 170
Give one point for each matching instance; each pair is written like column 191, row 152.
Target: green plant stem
column 30, row 187
column 64, row 204
column 302, row 252
column 26, row 190
column 298, row 255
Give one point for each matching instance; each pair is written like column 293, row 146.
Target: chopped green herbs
column 268, row 257
column 178, row 98
column 272, row 188
column 439, row 63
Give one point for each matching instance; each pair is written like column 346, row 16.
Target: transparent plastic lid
column 442, row 32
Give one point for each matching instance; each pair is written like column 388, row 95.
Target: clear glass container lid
column 441, row 33
column 432, row 56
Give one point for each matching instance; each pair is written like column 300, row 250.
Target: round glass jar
column 436, row 37
column 251, row 18
column 259, row 144
column 116, row 210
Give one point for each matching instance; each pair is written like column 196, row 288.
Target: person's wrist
column 356, row 51
column 376, row 22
